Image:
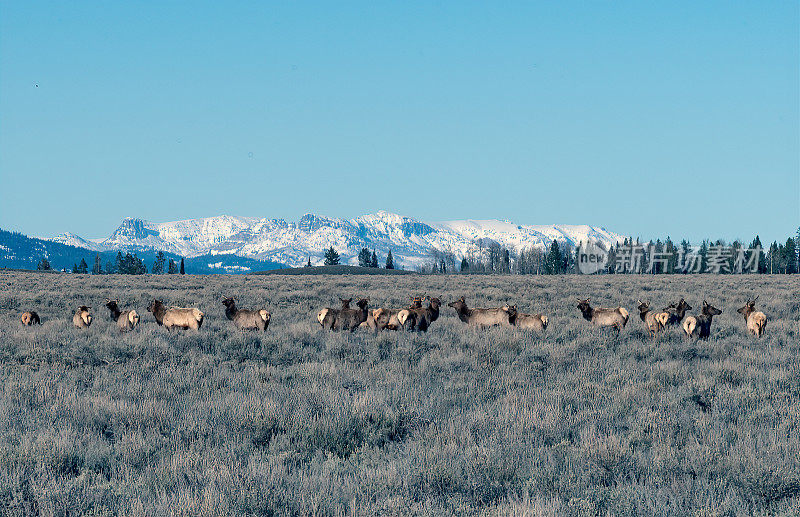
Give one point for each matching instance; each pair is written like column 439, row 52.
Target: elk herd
column 417, row 317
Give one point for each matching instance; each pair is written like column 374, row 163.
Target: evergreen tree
column 83, row 267
column 44, row 265
column 172, row 267
column 98, row 268
column 374, row 260
column 364, row 258
column 183, row 267
column 158, row 264
column 464, row 264
column 308, row 264
column 506, row 261
column 790, row 251
column 703, row 252
column 120, row 264
column 554, row 262
column 110, row 268
column 389, row 260
column 331, row 257
column 74, row 267
column 762, row 260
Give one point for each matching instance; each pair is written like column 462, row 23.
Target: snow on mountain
column 70, row 239
column 276, row 240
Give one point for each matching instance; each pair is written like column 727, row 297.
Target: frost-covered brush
column 83, row 317
column 126, row 320
column 257, row 319
column 482, row 317
column 616, row 318
column 700, row 325
column 756, row 320
column 181, row 317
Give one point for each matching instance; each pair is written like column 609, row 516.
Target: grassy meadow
column 297, row 421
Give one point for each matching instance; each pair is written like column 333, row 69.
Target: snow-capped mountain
column 290, row 243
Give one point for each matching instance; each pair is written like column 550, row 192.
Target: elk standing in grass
column 345, row 318
column 700, row 325
column 481, row 317
column 185, row 318
column 527, row 321
column 654, row 321
column 676, row 312
column 257, row 319
column 82, row 318
column 419, row 318
column 756, row 320
column 327, row 316
column 616, row 318
column 29, row 318
column 126, row 320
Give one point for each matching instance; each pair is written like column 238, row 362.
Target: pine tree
column 158, row 264
column 374, row 260
column 308, row 264
column 44, row 265
column 74, row 267
column 183, row 267
column 172, row 267
column 331, row 257
column 791, row 256
column 83, row 267
column 464, row 264
column 554, row 262
column 364, row 258
column 389, row 260
column 98, row 268
column 120, row 264
column 762, row 260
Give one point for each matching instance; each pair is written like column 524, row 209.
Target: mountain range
column 225, row 240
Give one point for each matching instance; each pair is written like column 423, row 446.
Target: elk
column 329, row 313
column 29, row 318
column 700, row 325
column 755, row 320
column 527, row 321
column 616, row 318
column 185, row 318
column 82, row 318
column 654, row 321
column 420, row 318
column 346, row 318
column 676, row 312
column 481, row 317
column 257, row 319
column 126, row 320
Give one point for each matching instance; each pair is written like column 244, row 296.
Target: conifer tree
column 98, row 268
column 389, row 260
column 183, row 267
column 331, row 257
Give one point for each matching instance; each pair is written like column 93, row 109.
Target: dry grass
column 298, row 421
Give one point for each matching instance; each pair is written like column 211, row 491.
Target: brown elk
column 126, row 320
column 257, row 319
column 755, row 320
column 329, row 313
column 654, row 321
column 418, row 318
column 527, row 321
column 481, row 317
column 676, row 312
column 700, row 325
column 29, row 318
column 616, row 318
column 82, row 318
column 181, row 317
column 348, row 319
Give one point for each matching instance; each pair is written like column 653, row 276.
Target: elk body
column 616, row 318
column 345, row 318
column 126, row 320
column 654, row 321
column 29, row 318
column 327, row 316
column 676, row 312
column 181, row 317
column 82, row 318
column 700, row 325
column 756, row 320
column 419, row 318
column 481, row 317
column 257, row 319
column 527, row 321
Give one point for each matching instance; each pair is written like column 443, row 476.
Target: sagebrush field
column 297, row 421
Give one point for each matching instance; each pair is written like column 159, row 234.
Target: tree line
column 128, row 264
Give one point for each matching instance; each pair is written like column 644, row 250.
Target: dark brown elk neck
column 231, row 311
column 588, row 314
column 115, row 312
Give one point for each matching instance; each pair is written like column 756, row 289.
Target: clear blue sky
column 648, row 118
